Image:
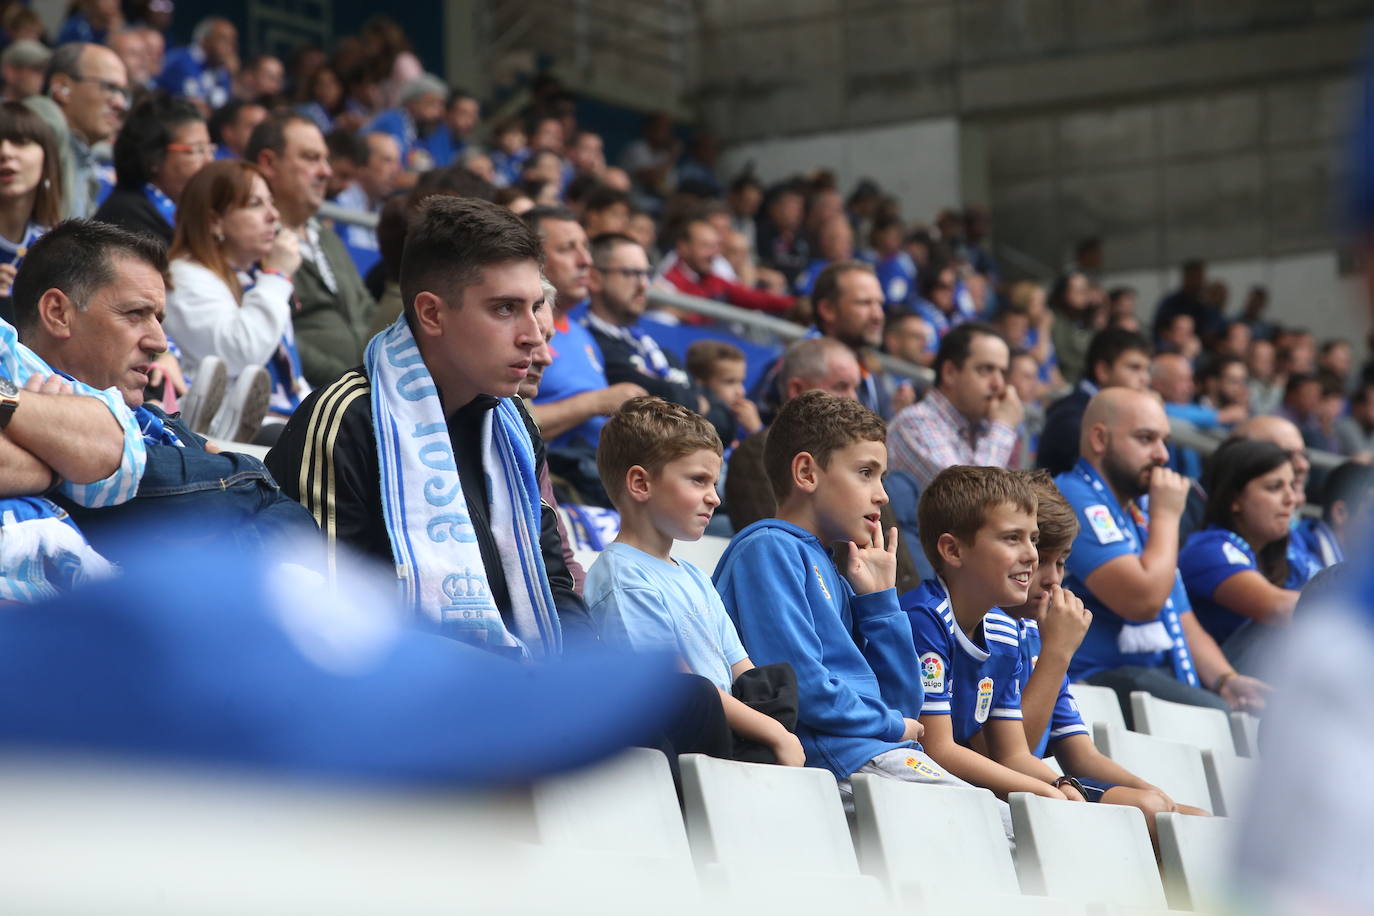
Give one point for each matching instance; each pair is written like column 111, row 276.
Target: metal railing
column 1181, row 431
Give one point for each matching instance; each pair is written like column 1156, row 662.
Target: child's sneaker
column 206, row 394
column 240, row 417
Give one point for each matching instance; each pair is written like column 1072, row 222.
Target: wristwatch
column 9, row 401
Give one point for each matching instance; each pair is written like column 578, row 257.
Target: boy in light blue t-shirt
column 659, row 463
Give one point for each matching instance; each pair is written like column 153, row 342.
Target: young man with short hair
column 425, row 459
column 1117, row 358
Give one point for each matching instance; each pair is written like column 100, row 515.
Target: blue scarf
column 161, row 203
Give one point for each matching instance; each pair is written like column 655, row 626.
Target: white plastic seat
column 757, row 830
column 1202, row 727
column 1228, row 781
column 1084, row 853
column 972, row 850
column 1245, row 732
column 972, row 900
column 1097, row 704
column 1194, row 853
column 1175, row 768
column 703, row 553
column 626, row 805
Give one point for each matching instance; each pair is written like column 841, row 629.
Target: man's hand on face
column 1008, row 408
column 1168, row 492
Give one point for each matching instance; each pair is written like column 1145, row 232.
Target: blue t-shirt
column 788, row 603
column 969, row 682
column 1105, row 532
column 897, row 276
column 577, row 367
column 1212, row 556
column 646, row 604
column 186, row 74
column 1065, row 719
column 806, row 280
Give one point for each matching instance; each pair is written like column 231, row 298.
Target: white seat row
column 777, row 837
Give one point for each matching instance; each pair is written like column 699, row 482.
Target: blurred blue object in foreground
column 209, row 659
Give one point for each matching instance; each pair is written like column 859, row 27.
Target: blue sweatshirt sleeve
column 767, row 589
column 889, row 649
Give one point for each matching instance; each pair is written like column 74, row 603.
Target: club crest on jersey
column 1234, row 555
column 980, row 712
column 932, row 673
column 1103, row 525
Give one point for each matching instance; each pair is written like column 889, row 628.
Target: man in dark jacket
column 1116, row 358
column 471, row 287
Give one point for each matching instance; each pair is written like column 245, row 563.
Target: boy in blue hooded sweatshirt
column 825, row 457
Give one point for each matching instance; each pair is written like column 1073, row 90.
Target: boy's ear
column 805, row 472
column 951, row 552
column 638, row 483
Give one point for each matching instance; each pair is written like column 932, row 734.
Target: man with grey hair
column 85, row 96
column 203, row 71
column 22, row 66
column 420, row 113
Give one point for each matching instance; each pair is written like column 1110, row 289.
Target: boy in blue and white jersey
column 977, row 529
column 1052, row 625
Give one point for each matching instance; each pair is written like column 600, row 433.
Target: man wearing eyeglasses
column 85, row 97
column 617, row 285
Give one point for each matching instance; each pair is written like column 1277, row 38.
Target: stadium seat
column 1097, row 704
column 703, row 553
column 1245, row 732
column 1084, row 853
column 244, row 448
column 971, row 900
column 1228, row 780
column 626, row 805
column 1175, row 768
column 758, row 831
column 972, row 849
column 1203, row 728
column 1194, row 851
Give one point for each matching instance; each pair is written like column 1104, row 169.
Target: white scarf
column 438, row 559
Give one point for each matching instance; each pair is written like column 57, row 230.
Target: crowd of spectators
column 166, row 263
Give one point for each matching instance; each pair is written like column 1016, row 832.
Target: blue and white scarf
column 161, row 203
column 438, row 559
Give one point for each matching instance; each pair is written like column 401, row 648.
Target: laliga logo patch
column 1234, row 555
column 980, row 712
column 925, row 769
column 932, row 673
column 1103, row 525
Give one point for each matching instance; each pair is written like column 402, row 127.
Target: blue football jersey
column 961, row 678
column 1065, row 719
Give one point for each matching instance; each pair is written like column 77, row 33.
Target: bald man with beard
column 1124, row 564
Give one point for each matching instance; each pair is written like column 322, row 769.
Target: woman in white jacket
column 231, row 291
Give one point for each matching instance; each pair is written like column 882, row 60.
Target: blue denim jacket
column 224, row 499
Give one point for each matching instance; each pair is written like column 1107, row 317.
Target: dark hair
column 21, row 126
column 818, row 423
column 1215, row 365
column 1296, row 381
column 1110, row 344
column 1352, row 483
column 141, row 146
column 66, row 59
column 271, row 134
column 603, row 197
column 453, row 238
column 606, row 242
column 581, row 186
column 827, row 286
column 958, row 342
column 318, row 74
column 76, row 256
column 217, row 190
column 1231, row 467
column 225, row 115
column 929, row 279
column 536, row 217
column 347, row 144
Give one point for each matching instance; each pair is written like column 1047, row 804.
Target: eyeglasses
column 633, row 273
column 114, row 90
column 207, row 150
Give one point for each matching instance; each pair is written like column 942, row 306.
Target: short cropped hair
column 271, row 134
column 604, row 244
column 649, row 432
column 958, row 500
column 536, row 217
column 1109, row 344
column 1054, row 516
column 76, row 256
column 808, row 359
column 1352, row 483
column 703, row 355
column 957, row 343
column 827, row 286
column 820, row 424
column 452, row 239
